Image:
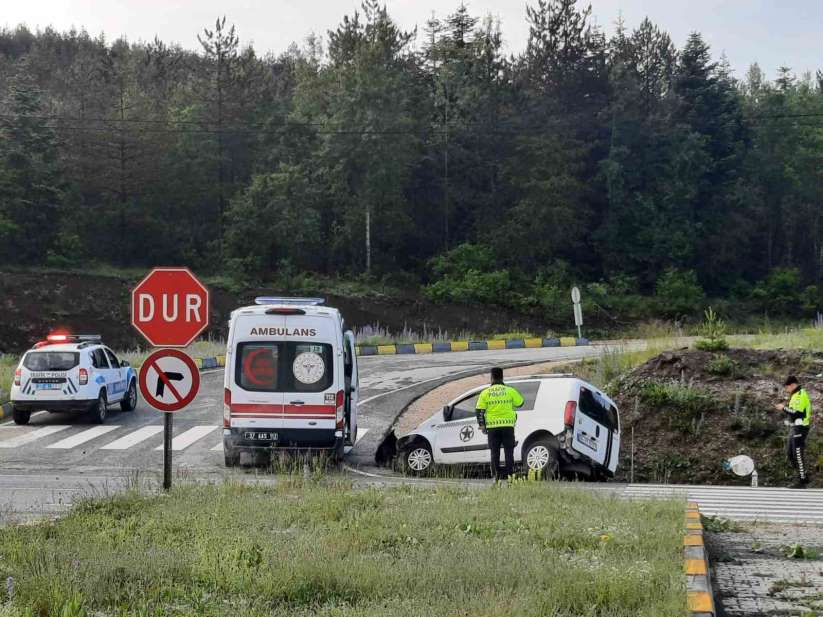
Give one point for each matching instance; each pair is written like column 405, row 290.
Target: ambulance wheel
column 100, row 409
column 20, row 416
column 417, row 459
column 129, row 401
column 231, row 457
column 541, row 457
column 339, row 450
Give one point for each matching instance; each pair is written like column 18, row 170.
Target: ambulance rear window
column 284, row 366
column 51, row 360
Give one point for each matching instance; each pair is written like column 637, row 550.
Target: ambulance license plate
column 257, row 436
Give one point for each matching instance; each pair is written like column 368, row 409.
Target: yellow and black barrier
column 696, row 566
column 450, row 346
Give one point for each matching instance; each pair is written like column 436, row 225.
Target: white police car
column 72, row 373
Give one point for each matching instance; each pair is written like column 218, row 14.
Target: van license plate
column 256, row 436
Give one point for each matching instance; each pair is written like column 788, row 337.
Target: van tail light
column 18, row 375
column 84, row 377
column 226, row 408
column 568, row 414
column 341, row 406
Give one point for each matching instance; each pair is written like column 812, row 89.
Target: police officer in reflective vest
column 799, row 412
column 496, row 417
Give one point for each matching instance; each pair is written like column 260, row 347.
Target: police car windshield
column 51, row 360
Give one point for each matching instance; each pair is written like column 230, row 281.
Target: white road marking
column 361, row 432
column 33, row 436
column 132, row 439
column 80, row 438
column 184, row 440
column 217, row 448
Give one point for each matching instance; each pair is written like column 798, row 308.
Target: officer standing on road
column 496, row 417
column 799, row 412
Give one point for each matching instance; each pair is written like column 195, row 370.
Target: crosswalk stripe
column 184, row 440
column 33, row 436
column 132, row 439
column 217, row 448
column 80, row 438
column 361, row 432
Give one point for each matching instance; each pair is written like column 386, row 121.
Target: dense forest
column 428, row 158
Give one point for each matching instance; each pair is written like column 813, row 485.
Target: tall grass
column 309, row 548
column 802, row 338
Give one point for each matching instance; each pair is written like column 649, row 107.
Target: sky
column 773, row 33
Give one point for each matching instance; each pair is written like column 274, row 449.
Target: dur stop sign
column 170, row 307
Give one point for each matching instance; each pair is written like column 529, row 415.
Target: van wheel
column 230, row 456
column 100, row 409
column 541, row 457
column 417, row 459
column 129, row 401
column 20, row 416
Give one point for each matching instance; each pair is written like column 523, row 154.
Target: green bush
column 722, row 366
column 782, row 294
column 679, row 293
column 466, row 274
column 713, row 331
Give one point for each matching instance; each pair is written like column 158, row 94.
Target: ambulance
column 291, row 379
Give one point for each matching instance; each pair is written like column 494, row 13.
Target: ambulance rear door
column 311, row 354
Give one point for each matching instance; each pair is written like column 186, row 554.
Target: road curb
column 696, row 566
column 427, row 348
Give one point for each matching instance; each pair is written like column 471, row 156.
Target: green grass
column 8, row 363
column 309, row 548
column 802, row 338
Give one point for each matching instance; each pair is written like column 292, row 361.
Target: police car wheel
column 129, row 401
column 418, row 459
column 541, row 456
column 20, row 416
column 100, row 409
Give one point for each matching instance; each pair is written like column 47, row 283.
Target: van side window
column 465, row 408
column 528, row 390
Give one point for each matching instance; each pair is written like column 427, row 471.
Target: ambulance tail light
column 226, row 408
column 83, row 379
column 18, row 375
column 568, row 414
column 340, row 401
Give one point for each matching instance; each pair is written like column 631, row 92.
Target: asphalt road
column 47, row 464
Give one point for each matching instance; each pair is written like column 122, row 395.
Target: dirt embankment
column 35, row 303
column 692, row 410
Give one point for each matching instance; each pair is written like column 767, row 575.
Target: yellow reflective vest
column 499, row 403
column 800, row 408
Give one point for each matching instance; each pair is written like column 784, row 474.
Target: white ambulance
column 291, row 379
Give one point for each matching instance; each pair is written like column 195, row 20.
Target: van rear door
column 592, row 431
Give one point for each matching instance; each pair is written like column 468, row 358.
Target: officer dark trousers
column 796, row 450
column 502, row 436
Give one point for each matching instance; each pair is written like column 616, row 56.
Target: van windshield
column 51, row 360
column 280, row 366
column 598, row 410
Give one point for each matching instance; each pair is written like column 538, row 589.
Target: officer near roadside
column 496, row 416
column 799, row 412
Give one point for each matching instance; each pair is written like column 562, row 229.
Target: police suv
column 72, row 373
column 565, row 424
column 291, row 379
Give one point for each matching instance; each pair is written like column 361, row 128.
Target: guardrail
column 449, row 346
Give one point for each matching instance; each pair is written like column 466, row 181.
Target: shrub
column 466, row 274
column 782, row 293
column 713, row 331
column 722, row 366
column 678, row 292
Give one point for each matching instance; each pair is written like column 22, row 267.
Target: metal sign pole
column 167, row 424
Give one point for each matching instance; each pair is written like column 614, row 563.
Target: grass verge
column 308, row 548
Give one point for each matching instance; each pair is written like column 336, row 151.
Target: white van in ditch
column 565, row 424
column 291, row 379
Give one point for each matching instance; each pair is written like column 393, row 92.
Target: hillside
column 691, row 410
column 34, row 303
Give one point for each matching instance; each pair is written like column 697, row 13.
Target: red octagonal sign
column 170, row 307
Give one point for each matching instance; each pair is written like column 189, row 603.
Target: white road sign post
column 578, row 311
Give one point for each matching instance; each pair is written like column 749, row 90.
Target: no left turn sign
column 169, row 380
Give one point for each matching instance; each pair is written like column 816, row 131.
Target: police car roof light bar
column 270, row 300
column 73, row 338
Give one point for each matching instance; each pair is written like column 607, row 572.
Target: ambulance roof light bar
column 270, row 300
